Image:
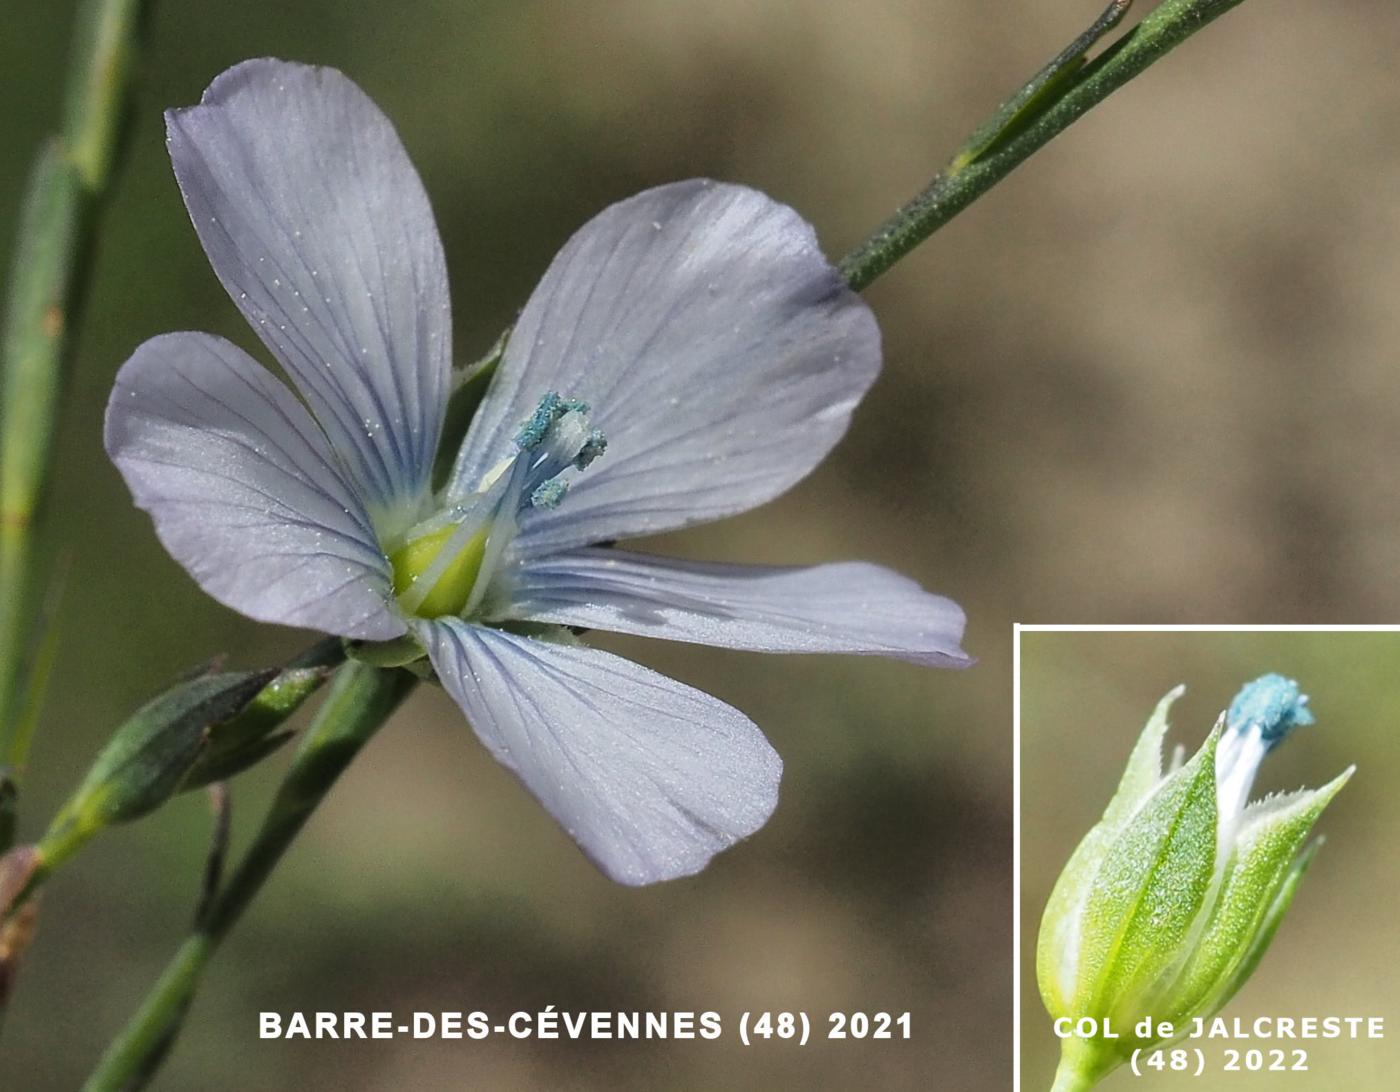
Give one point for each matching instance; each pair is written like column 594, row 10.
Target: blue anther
column 1273, row 704
column 533, row 431
column 551, row 407
column 549, row 494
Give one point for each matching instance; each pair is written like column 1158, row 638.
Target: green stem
column 56, row 225
column 137, row 1053
column 1061, row 94
column 361, row 699
column 1083, row 1064
column 1068, row 1078
column 106, row 44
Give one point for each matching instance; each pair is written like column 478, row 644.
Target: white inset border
column 1026, row 627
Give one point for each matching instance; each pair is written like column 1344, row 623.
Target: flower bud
column 204, row 728
column 1169, row 903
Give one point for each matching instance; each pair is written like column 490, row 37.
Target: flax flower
column 689, row 354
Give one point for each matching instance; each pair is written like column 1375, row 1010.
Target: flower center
column 454, row 581
column 447, row 562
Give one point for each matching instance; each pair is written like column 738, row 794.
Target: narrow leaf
column 1041, row 90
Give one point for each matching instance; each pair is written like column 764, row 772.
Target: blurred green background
column 1150, row 378
column 1085, row 698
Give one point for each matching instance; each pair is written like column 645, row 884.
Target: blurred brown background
column 1147, row 379
column 1085, row 698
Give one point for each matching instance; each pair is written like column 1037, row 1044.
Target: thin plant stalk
column 68, row 180
column 361, row 699
column 1053, row 100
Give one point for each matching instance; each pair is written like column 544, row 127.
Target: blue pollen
column 1274, row 704
column 551, row 407
column 594, row 446
column 549, row 494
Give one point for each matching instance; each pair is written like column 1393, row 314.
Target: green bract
column 1170, row 901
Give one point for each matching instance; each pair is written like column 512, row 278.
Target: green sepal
column 206, row 727
column 1255, row 890
column 1153, row 881
column 1273, row 917
column 1061, row 920
column 400, row 652
column 1144, row 769
column 251, row 735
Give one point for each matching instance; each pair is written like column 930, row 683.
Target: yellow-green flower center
column 452, row 590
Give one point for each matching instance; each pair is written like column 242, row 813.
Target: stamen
column 555, row 439
column 549, row 494
column 534, row 431
column 1262, row 715
column 1274, row 704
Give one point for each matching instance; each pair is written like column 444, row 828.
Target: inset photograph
column 1205, row 854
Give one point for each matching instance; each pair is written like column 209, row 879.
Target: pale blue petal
column 244, row 491
column 650, row 777
column 850, row 607
column 317, row 224
column 720, row 353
